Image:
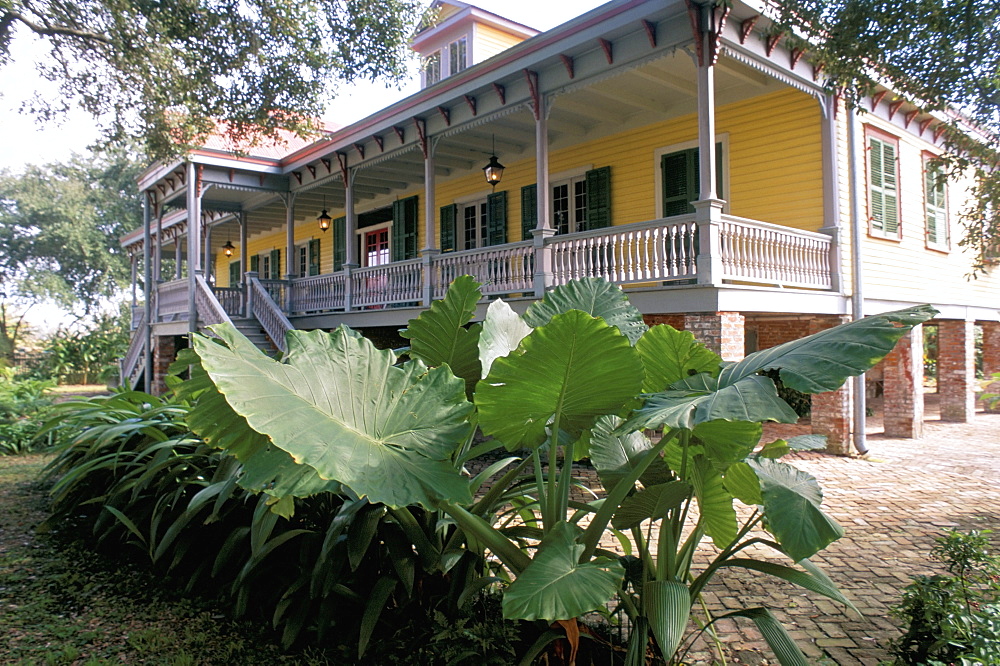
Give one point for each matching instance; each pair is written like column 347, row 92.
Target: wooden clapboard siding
column 489, row 40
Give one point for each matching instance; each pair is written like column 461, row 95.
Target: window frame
column 426, row 70
column 870, row 134
column 459, row 47
column 720, row 138
column 942, row 241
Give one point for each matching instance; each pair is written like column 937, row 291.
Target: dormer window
column 432, row 69
column 458, row 56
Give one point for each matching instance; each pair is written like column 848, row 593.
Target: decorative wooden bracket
column 446, row 114
column 181, row 176
column 261, row 180
column 924, row 124
column 747, row 26
column 360, row 147
column 771, row 42
column 501, row 92
column 326, row 163
column 939, row 130
column 380, row 142
column 312, row 170
column 650, row 29
column 401, row 133
column 162, row 188
column 894, row 107
column 170, row 181
column 471, row 101
column 877, row 97
column 910, row 116
column 717, row 22
column 232, row 175
column 198, row 172
column 298, row 176
column 422, row 134
column 818, row 69
column 342, row 158
column 567, row 62
column 796, row 56
column 536, row 98
column 606, row 46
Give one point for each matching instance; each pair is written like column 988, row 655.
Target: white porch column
column 289, row 249
column 158, row 259
column 831, row 178
column 350, row 238
column 147, row 284
column 543, row 229
column 708, row 208
column 194, row 242
column 431, row 249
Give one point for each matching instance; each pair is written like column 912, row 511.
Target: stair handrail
column 210, row 311
column 129, row 367
column 269, row 314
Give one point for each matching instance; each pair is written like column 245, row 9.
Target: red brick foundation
column 722, row 332
column 674, row 320
column 164, row 353
column 832, row 411
column 991, row 347
column 903, row 373
column 956, row 368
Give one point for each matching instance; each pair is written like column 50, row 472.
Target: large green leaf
column 812, row 578
column 615, row 455
column 727, row 442
column 792, row 501
column 439, row 335
column 667, row 605
column 652, row 502
column 822, row 361
column 742, row 483
column 556, row 586
column 575, row 369
column 714, row 503
column 701, row 398
column 670, row 355
column 595, row 296
column 780, row 642
column 503, row 330
column 341, row 407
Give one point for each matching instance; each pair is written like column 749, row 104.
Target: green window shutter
column 447, row 231
column 598, row 198
column 882, row 185
column 718, row 170
column 234, row 273
column 529, row 210
column 339, row 243
column 255, row 264
column 680, row 182
column 275, row 265
column 496, row 218
column 404, row 229
column 935, row 203
column 314, row 257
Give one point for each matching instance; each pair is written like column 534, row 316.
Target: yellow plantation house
column 679, row 151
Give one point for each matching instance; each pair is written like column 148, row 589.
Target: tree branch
column 48, row 30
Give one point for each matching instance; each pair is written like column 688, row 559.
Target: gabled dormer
column 460, row 36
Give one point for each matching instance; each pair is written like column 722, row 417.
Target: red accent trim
column 695, row 32
column 536, row 102
column 567, row 62
column 312, row 170
column 298, row 176
column 326, row 163
column 342, row 158
column 924, row 124
column 745, row 28
column 360, row 147
column 232, row 175
column 446, row 114
column 380, row 142
column 939, row 130
column 910, row 116
column 422, row 133
column 606, row 45
column 401, row 133
column 501, row 92
column 796, row 56
column 650, row 29
column 771, row 42
column 894, row 107
column 471, row 101
column 877, row 97
column 717, row 34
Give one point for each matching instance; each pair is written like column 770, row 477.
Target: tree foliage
column 170, row 71
column 59, row 229
column 939, row 55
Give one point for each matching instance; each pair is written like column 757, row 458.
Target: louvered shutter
column 404, row 229
column 314, row 257
column 496, row 218
column 883, row 188
column 339, row 227
column 447, row 231
column 275, row 265
column 529, row 211
column 255, row 264
column 234, row 273
column 598, row 198
column 680, row 183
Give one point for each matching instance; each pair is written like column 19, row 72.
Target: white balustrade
column 501, row 270
column 661, row 250
column 231, row 299
column 754, row 251
column 269, row 314
column 318, row 293
column 377, row 286
column 172, row 298
column 210, row 311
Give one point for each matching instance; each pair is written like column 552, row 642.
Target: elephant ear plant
column 579, row 374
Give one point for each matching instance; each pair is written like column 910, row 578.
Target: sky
column 25, row 141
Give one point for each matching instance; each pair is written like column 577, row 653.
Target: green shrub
column 953, row 618
column 23, row 405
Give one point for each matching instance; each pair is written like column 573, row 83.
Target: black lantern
column 228, row 248
column 324, row 219
column 494, row 170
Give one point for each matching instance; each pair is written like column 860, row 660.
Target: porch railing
column 502, row 270
column 758, row 251
column 318, row 293
column 268, row 313
column 172, row 300
column 389, row 284
column 210, row 310
column 131, row 366
column 231, row 299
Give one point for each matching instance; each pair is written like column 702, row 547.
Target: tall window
column 474, row 221
column 883, row 187
column 680, row 178
column 936, row 205
column 457, row 56
column 265, row 266
column 569, row 205
column 432, row 69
